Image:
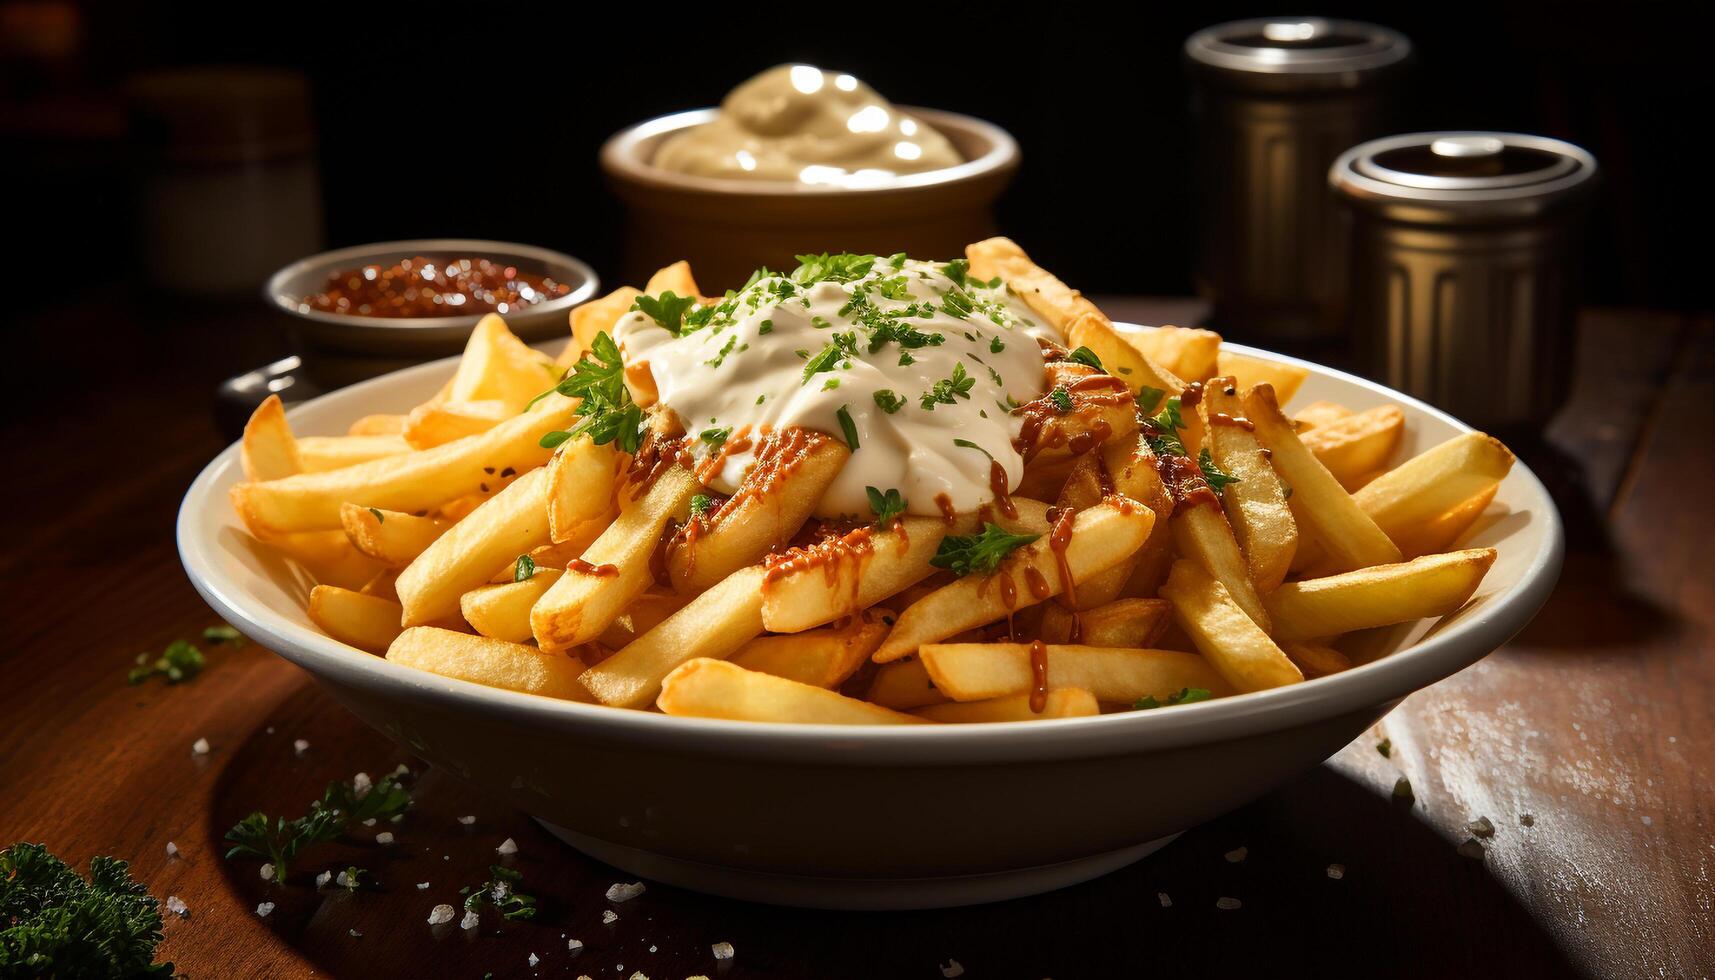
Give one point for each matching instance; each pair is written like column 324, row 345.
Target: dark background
column 484, row 120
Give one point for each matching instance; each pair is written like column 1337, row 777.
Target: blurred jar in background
column 1274, row 101
column 227, row 184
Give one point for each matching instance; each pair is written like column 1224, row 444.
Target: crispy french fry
column 641, row 615
column 498, row 366
column 1100, row 413
column 715, row 624
column 1357, row 445
column 706, row 688
column 676, row 277
column 614, row 569
column 363, row 621
column 409, row 483
column 323, row 453
column 377, row 425
column 1127, row 467
column 389, row 537
column 980, row 671
column 1316, row 413
column 490, row 662
column 268, row 450
column 583, row 481
column 1120, row 623
column 381, row 585
column 903, row 685
column 1201, row 533
column 1256, row 505
column 1065, row 702
column 1191, row 354
column 502, row 610
column 1442, row 533
column 809, row 587
column 1380, row 595
column 1248, row 372
column 1316, row 659
column 1101, row 537
column 328, row 557
column 1226, row 635
column 1340, row 525
column 593, row 317
column 794, row 467
column 824, row 657
column 435, row 424
column 510, row 524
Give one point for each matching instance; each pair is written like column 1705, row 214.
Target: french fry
column 436, row 424
column 716, row 624
column 641, row 615
column 981, row 671
column 1341, row 526
column 1127, row 467
column 502, row 610
column 583, row 480
column 388, row 536
column 1201, row 533
column 363, row 621
column 1256, row 507
column 1189, row 353
column 824, row 657
column 1248, row 372
column 323, row 453
column 1227, row 636
column 1101, row 537
column 381, row 585
column 1381, row 595
column 377, row 425
column 1065, row 702
column 614, row 569
column 268, row 450
column 1316, row 413
column 593, row 317
column 411, row 482
column 809, row 587
column 676, row 277
column 510, row 524
column 1442, row 533
column 1316, row 659
column 490, row 662
column 1120, row 623
column 328, row 557
column 793, row 469
column 1357, row 445
column 706, row 688
column 903, row 685
column 498, row 366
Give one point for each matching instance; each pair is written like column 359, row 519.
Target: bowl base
column 855, row 894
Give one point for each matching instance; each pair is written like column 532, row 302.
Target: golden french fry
column 377, row 425
column 676, row 277
column 497, row 366
column 437, row 423
column 903, row 685
column 1065, row 702
column 323, row 453
column 1340, row 525
column 1225, row 633
column 715, row 624
column 980, row 671
column 268, row 450
column 411, row 482
column 388, row 536
column 1189, row 353
column 328, row 557
column 363, row 621
column 1101, row 536
column 1380, row 595
column 1125, row 466
column 1201, row 533
column 1120, row 623
column 502, row 610
column 1355, row 446
column 510, row 524
column 706, row 688
column 614, row 569
column 583, row 482
column 593, row 317
column 1256, row 507
column 812, row 586
column 641, row 615
column 824, row 657
column 1316, row 659
column 1316, row 413
column 1248, row 372
column 381, row 585
column 490, row 662
column 794, row 467
column 1442, row 533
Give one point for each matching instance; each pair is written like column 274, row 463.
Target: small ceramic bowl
column 883, row 817
column 728, row 228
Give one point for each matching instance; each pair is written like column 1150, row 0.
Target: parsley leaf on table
column 342, row 804
column 500, row 892
column 53, row 922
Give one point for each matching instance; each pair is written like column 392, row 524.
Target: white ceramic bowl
column 841, row 817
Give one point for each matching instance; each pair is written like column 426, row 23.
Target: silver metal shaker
column 1274, row 101
column 1465, row 251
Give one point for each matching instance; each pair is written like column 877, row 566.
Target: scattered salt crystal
column 534, row 959
column 507, row 846
column 652, row 949
column 574, row 944
column 172, row 849
column 1237, row 854
column 300, row 746
column 500, row 891
column 722, row 951
column 199, row 747
column 609, row 917
column 1526, row 820
column 1227, row 903
column 1482, row 827
column 267, row 872
column 439, row 915
column 952, row 969
column 1648, row 821
column 468, row 820
column 177, row 906
column 470, row 920
column 323, row 878
column 624, row 893
column 400, row 770
column 360, row 785
column 270, row 729
column 370, row 822
column 384, row 838
column 1165, row 899
column 353, row 933
column 422, row 886
column 1336, row 871
column 263, row 909
column 1472, row 848
column 637, row 974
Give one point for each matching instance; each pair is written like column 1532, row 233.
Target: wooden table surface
column 1586, row 741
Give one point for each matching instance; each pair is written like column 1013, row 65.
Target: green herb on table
column 500, row 892
column 978, row 553
column 223, row 634
column 179, row 662
column 1185, row 695
column 342, row 805
column 55, row 923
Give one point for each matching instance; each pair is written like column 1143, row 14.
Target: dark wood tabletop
column 1586, row 742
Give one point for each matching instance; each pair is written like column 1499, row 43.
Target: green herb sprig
column 885, row 506
column 55, row 923
column 500, row 892
column 667, row 310
column 279, row 841
column 607, row 412
column 978, row 553
column 1185, row 695
column 1217, row 478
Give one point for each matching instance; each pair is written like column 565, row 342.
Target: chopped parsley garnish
column 223, row 634
column 523, row 569
column 906, row 359
column 700, row 504
column 848, row 427
column 1149, row 399
column 500, row 892
column 380, row 518
column 341, row 806
column 667, row 310
column 1162, row 430
column 55, row 923
column 719, row 359
column 885, row 506
column 978, row 553
column 948, row 390
column 967, row 444
column 1185, row 695
column 996, row 345
column 888, row 401
column 715, row 437
column 843, row 347
column 1385, row 747
column 179, row 662
column 843, row 267
column 1061, row 398
column 767, row 327
column 1087, row 357
column 896, row 287
column 957, row 270
column 607, row 413
column 958, row 303
column 1218, row 478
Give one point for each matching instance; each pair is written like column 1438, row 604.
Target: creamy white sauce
column 745, row 371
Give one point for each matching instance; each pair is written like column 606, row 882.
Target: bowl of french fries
column 1091, row 585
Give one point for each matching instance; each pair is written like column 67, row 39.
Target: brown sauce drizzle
column 948, row 513
column 1058, row 540
column 1192, row 394
column 582, row 567
column 1038, row 676
column 1185, row 482
column 1009, row 599
column 1002, row 492
column 1037, row 583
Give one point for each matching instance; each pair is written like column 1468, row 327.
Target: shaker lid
column 1296, row 52
column 1462, row 175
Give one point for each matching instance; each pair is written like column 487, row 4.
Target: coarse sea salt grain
column 172, row 849
column 384, row 838
column 952, row 969
column 470, row 920
column 323, row 878
column 468, row 819
column 534, row 959
column 1165, row 899
column 300, row 745
column 1225, row 902
column 361, row 785
column 263, row 909
column 266, row 871
column 609, row 917
column 1336, row 871
column 507, row 846
column 574, row 944
column 199, row 747
column 177, row 906
column 1237, row 854
column 722, row 951
column 422, row 886
column 624, row 892
column 345, row 880
column 440, row 915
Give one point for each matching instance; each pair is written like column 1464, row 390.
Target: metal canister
column 1274, row 102
column 1465, row 255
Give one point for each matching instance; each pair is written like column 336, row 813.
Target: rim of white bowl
column 1387, row 679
